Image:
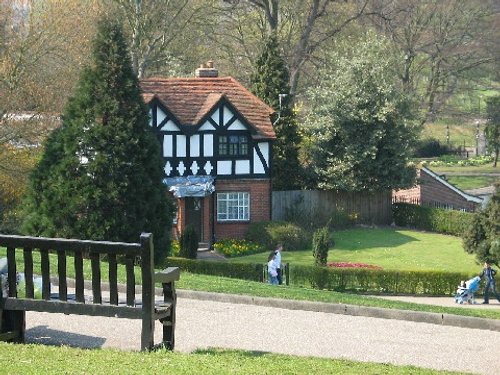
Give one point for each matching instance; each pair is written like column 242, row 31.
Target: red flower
column 352, row 265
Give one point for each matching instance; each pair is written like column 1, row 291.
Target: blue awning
column 190, row 186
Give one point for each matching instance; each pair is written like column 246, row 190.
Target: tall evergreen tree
column 100, row 177
column 269, row 83
column 482, row 237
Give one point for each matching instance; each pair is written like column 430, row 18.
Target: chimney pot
column 206, row 70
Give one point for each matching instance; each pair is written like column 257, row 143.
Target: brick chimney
column 207, row 70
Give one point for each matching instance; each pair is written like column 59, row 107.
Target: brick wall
column 433, row 193
column 436, row 194
column 260, row 205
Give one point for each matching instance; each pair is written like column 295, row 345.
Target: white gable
column 215, row 116
column 207, row 126
column 160, row 116
column 228, row 115
column 170, row 126
column 237, row 125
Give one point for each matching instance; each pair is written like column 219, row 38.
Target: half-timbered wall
column 194, row 149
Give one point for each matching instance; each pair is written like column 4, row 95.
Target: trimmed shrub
column 320, row 245
column 243, row 271
column 431, row 219
column 376, row 281
column 269, row 233
column 188, row 242
column 431, row 147
column 354, row 280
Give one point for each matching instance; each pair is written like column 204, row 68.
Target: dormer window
column 233, row 145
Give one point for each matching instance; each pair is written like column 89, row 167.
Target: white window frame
column 233, row 206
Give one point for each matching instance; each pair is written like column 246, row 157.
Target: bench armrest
column 168, row 275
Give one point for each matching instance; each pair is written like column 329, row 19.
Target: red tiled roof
column 190, row 99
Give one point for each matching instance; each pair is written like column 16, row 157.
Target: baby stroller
column 466, row 293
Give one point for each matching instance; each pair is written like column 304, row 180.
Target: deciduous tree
column 360, row 128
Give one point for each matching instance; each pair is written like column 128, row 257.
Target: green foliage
column 431, row 147
column 360, row 128
column 269, row 233
column 234, row 248
column 269, row 81
column 482, row 236
column 188, row 243
column 320, row 245
column 100, row 176
column 244, row 271
column 455, row 160
column 492, row 129
column 431, row 219
column 376, row 281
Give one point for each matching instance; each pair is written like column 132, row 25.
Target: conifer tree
column 482, row 237
column 270, row 80
column 101, row 174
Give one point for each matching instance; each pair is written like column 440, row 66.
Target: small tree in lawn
column 101, row 174
column 321, row 243
column 492, row 129
column 270, row 83
column 188, row 243
column 482, row 238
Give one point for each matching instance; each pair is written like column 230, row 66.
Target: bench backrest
column 20, row 251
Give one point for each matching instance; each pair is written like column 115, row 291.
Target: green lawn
column 471, row 182
column 40, row 359
column 389, row 248
column 487, row 168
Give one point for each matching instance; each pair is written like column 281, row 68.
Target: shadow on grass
column 366, row 238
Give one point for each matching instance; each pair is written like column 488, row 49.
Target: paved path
column 203, row 324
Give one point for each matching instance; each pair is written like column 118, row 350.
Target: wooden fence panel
column 369, row 208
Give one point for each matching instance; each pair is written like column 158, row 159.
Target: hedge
column 337, row 279
column 431, row 219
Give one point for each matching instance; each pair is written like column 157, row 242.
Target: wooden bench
column 137, row 302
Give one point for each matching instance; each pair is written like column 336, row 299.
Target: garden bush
column 243, row 271
column 376, row 281
column 188, row 242
column 269, row 233
column 320, row 245
column 431, row 147
column 431, row 219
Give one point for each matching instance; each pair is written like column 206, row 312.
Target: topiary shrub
column 320, row 245
column 269, row 233
column 188, row 242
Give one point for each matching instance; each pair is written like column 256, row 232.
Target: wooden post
column 148, row 298
column 169, row 296
column 287, row 273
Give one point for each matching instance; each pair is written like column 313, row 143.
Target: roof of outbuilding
column 191, row 99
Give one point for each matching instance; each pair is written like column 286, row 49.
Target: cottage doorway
column 194, row 209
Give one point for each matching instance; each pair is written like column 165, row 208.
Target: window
column 233, row 206
column 233, row 145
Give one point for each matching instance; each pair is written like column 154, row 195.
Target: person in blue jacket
column 489, row 273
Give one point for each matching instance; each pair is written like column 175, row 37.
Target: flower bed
column 352, row 265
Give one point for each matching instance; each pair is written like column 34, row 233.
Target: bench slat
column 79, row 279
column 87, row 246
column 77, row 308
column 96, row 277
column 129, row 266
column 113, row 279
column 28, row 272
column 61, row 271
column 45, row 265
column 12, row 276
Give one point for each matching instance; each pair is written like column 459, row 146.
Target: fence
column 317, row 206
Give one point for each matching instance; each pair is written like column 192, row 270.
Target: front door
column 194, row 209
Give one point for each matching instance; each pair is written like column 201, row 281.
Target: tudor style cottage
column 216, row 142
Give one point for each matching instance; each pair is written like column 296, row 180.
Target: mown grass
column 40, row 359
column 389, row 248
column 471, row 182
column 458, row 132
column 483, row 169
